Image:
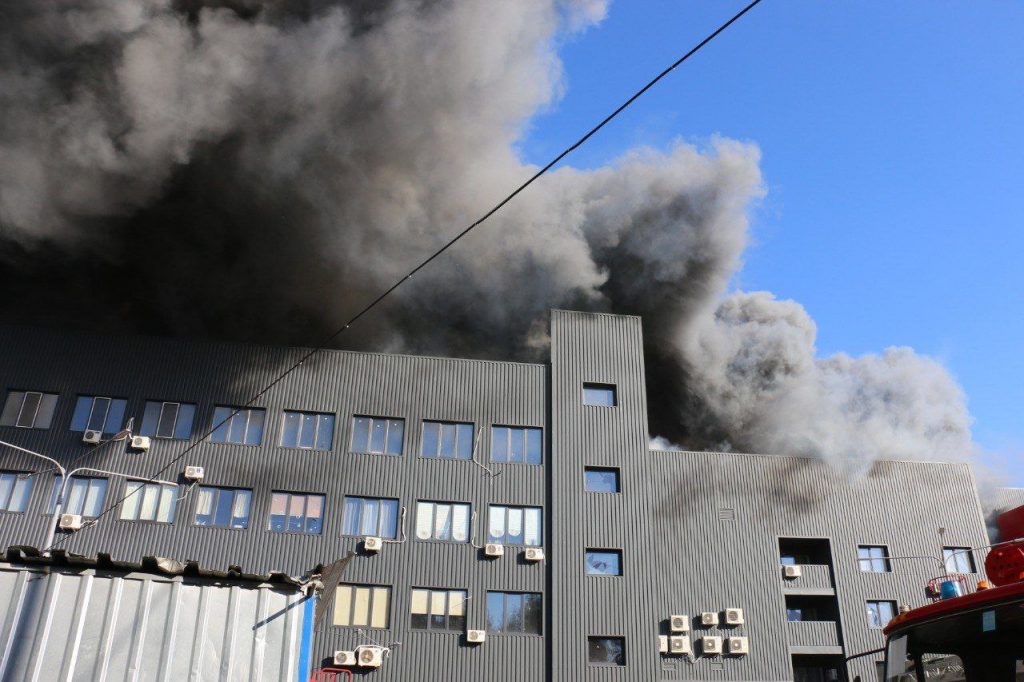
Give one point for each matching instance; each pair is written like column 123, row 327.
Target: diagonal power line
column 427, row 261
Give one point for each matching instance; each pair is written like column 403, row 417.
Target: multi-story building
column 751, row 567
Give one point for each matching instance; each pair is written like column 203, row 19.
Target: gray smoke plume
column 258, row 170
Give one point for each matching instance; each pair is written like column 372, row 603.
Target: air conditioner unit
column 534, row 554
column 70, row 522
column 662, row 644
column 679, row 623
column 140, row 443
column 372, row 544
column 709, row 618
column 711, row 646
column 344, row 658
column 369, row 656
column 92, row 437
column 734, row 616
column 194, row 473
column 494, row 549
column 791, row 571
column 680, row 644
column 476, row 636
column 737, row 646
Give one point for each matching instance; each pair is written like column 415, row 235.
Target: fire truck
column 971, row 635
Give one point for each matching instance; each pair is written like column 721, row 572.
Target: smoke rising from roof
column 259, row 170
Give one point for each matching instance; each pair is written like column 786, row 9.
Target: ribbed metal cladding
column 1008, row 498
column 344, row 383
column 699, row 531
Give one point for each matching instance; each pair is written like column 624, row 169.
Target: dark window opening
column 606, row 650
column 804, row 551
column 811, row 608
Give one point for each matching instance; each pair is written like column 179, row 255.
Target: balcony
column 813, row 637
column 814, row 579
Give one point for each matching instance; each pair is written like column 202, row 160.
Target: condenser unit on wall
column 791, row 571
column 344, row 658
column 369, row 656
column 734, row 616
column 494, row 549
column 140, row 443
column 679, row 644
column 194, row 473
column 92, row 437
column 709, row 618
column 711, row 646
column 476, row 636
column 372, row 543
column 70, row 522
column 534, row 554
column 679, row 623
column 737, row 646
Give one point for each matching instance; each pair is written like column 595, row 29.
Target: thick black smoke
column 258, row 170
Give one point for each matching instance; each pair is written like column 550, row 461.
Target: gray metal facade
column 698, row 531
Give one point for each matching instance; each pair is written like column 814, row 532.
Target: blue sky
column 892, row 137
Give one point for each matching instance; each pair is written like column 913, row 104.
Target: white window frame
column 451, row 598
column 464, row 510
column 524, row 513
column 145, row 499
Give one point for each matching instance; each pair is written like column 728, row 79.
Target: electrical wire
column 450, row 243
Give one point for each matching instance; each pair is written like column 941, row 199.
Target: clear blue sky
column 892, row 136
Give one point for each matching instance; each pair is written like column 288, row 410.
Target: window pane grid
column 167, row 420
column 873, row 559
column 880, row 613
column 515, row 525
column 223, row 507
column 362, row 606
column 364, row 516
column 241, row 426
column 96, row 413
column 447, row 440
column 516, row 445
column 442, row 521
column 514, row 612
column 15, row 488
column 149, row 502
column 377, row 435
column 296, row 513
column 958, row 559
column 307, row 430
column 28, row 409
column 83, row 496
column 442, row 610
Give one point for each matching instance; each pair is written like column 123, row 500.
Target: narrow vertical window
column 28, row 409
column 167, row 420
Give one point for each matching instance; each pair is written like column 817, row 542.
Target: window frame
column 362, row 505
column 505, row 535
column 160, row 418
column 433, row 521
column 43, row 396
column 316, row 435
column 508, row 444
column 145, row 485
column 887, row 564
column 369, row 435
column 111, row 400
column 612, row 389
column 305, row 512
column 235, row 412
column 440, row 423
column 448, row 628
column 51, row 504
column 597, row 467
column 603, row 550
column 369, row 606
column 234, row 494
column 625, row 658
column 956, row 553
column 16, row 478
column 894, row 609
column 504, row 611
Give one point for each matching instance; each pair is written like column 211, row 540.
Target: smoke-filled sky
column 258, row 171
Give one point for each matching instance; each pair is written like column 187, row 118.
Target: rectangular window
column 15, row 488
column 167, row 420
column 95, row 413
column 880, row 613
column 599, row 395
column 370, row 516
column 873, row 559
column 223, row 507
column 516, row 444
column 606, row 650
column 83, row 496
column 296, row 513
column 241, row 425
column 447, row 521
column 958, row 559
column 149, row 502
column 601, row 480
column 364, row 606
column 377, row 435
column 604, row 561
column 307, row 430
column 28, row 409
column 438, row 610
column 514, row 612
column 515, row 526
column 447, row 440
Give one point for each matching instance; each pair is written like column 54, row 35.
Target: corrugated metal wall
column 94, row 626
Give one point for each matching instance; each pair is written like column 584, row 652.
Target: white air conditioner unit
column 791, row 571
column 737, row 646
column 369, row 656
column 534, row 554
column 194, row 473
column 711, row 646
column 709, row 618
column 680, row 644
column 70, row 522
column 92, row 437
column 372, row 544
column 662, row 644
column 140, row 443
column 734, row 616
column 494, row 549
column 679, row 623
column 476, row 636
column 344, row 658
